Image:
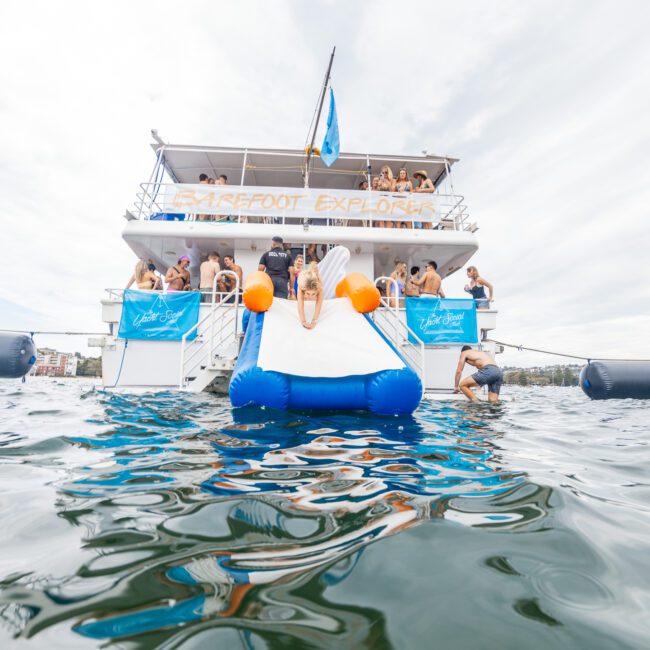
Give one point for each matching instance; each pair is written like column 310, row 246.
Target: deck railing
column 388, row 320
column 300, row 206
column 216, row 332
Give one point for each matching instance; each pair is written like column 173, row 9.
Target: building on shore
column 50, row 363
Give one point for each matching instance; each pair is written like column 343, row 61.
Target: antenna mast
column 320, row 109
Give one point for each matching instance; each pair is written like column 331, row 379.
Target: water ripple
column 168, row 519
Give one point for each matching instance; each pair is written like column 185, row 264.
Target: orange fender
column 258, row 291
column 363, row 293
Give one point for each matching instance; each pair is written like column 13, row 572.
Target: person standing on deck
column 228, row 283
column 426, row 186
column 178, row 276
column 207, row 271
column 430, row 283
column 412, row 290
column 279, row 266
column 477, row 286
column 488, row 373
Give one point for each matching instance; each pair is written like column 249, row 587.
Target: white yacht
column 280, row 192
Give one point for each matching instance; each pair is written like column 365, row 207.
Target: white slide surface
column 343, row 343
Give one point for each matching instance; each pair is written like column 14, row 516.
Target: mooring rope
column 559, row 354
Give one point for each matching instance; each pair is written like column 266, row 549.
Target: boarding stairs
column 211, row 355
column 386, row 317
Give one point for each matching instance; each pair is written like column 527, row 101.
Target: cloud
column 546, row 104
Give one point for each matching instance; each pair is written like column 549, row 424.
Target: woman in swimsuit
column 144, row 277
column 425, row 185
column 403, row 184
column 399, row 275
column 374, row 187
column 477, row 286
column 298, row 263
column 387, row 184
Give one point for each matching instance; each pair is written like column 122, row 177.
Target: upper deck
column 276, row 186
column 275, row 191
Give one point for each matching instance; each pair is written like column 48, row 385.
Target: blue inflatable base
column 388, row 392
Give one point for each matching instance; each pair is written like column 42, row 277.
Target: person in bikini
column 430, row 283
column 403, row 184
column 395, row 290
column 310, row 287
column 144, row 277
column 178, row 276
column 488, row 373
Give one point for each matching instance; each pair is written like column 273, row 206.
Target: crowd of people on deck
column 385, row 182
column 204, row 179
column 285, row 273
column 429, row 284
column 178, row 277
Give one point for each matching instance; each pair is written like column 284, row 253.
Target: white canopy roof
column 285, row 167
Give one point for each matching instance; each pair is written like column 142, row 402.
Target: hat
column 278, row 240
column 183, row 257
column 421, row 172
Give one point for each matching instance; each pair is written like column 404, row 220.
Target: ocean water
column 169, row 520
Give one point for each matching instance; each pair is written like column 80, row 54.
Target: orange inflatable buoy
column 363, row 293
column 258, row 291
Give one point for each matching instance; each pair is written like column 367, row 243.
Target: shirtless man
column 178, row 277
column 207, row 272
column 227, row 283
column 488, row 373
column 430, row 283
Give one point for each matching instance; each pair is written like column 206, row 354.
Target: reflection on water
column 200, row 525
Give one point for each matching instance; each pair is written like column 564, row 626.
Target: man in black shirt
column 279, row 265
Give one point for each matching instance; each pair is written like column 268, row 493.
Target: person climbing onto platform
column 310, row 287
column 488, row 373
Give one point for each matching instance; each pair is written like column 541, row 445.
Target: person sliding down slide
column 310, row 287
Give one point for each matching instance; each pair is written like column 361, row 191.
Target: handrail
column 206, row 347
column 403, row 337
column 452, row 209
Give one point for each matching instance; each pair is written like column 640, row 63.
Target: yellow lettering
column 383, row 206
column 353, row 204
column 323, row 202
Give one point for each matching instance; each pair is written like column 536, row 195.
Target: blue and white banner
column 439, row 321
column 158, row 316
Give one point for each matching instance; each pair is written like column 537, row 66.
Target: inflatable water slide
column 344, row 363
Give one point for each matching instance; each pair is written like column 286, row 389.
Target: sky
column 547, row 105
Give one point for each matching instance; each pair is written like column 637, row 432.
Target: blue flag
column 329, row 152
